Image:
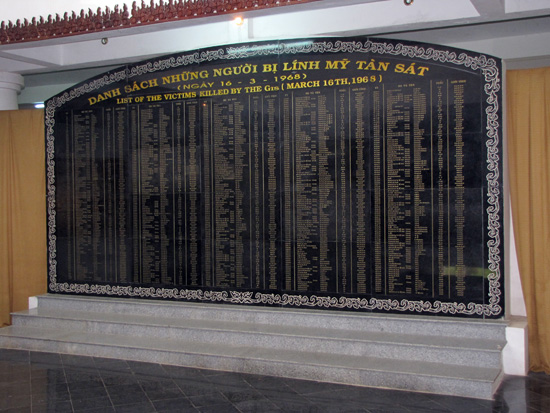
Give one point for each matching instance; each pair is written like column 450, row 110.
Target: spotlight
column 104, row 41
column 408, row 2
column 238, row 20
column 39, row 106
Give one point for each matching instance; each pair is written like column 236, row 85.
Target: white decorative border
column 491, row 73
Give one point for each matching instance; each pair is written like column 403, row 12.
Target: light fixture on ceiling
column 408, row 2
column 104, row 41
column 238, row 21
column 39, row 105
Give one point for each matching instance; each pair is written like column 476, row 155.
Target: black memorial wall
column 349, row 173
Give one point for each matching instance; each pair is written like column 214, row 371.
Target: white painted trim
column 515, row 358
column 33, row 302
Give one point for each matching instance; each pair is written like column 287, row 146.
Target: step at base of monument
column 475, row 352
column 93, row 333
column 347, row 320
column 355, row 370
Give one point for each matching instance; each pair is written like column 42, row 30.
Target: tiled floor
column 49, row 382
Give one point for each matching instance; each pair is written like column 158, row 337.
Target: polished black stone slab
column 355, row 173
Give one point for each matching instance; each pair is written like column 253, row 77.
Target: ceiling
column 515, row 30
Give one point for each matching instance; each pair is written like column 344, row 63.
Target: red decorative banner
column 100, row 21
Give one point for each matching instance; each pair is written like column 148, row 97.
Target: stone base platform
column 426, row 354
